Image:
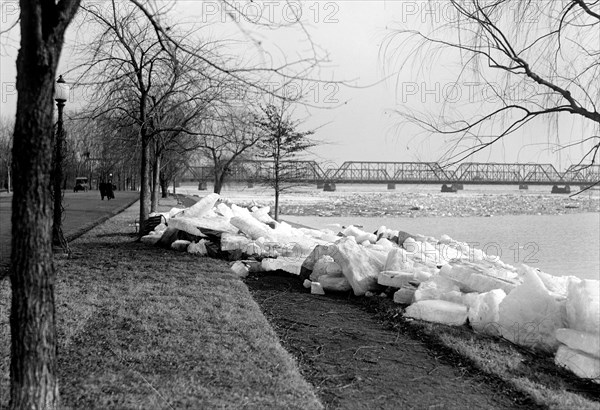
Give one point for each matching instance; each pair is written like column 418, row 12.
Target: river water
column 557, row 244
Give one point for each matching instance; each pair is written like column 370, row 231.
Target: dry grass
column 143, row 328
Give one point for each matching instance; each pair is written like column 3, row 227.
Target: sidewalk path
column 83, row 210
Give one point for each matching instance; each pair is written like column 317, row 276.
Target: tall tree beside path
column 518, row 62
column 33, row 364
column 281, row 142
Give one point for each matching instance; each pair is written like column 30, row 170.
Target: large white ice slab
column 588, row 343
column 530, row 314
column 583, row 305
column 438, row 311
column 484, row 311
column 583, row 365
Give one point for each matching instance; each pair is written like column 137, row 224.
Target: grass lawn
column 143, row 328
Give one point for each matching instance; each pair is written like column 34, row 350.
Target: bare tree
column 229, row 137
column 535, row 59
column 32, row 319
column 281, row 142
column 6, row 136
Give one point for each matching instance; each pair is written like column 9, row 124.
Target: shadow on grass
column 117, row 234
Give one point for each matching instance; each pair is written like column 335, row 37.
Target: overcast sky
column 355, row 123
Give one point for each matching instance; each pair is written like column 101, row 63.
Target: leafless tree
column 281, row 142
column 6, row 136
column 230, row 135
column 534, row 59
column 32, row 319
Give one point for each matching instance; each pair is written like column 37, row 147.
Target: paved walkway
column 83, row 210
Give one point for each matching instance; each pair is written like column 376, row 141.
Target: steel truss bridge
column 365, row 172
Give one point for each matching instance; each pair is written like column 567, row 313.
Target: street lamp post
column 61, row 94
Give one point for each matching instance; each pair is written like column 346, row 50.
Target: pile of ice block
column 440, row 280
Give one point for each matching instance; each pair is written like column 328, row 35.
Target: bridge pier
column 329, row 187
column 250, row 184
column 391, row 186
column 523, row 186
column 560, row 190
column 320, row 185
column 202, row 186
column 458, row 187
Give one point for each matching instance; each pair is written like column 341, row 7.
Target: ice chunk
column 253, row 228
column 555, row 284
column 583, row 305
column 174, row 211
column 359, row 235
column 434, row 288
column 422, row 276
column 202, row 207
column 404, row 296
column 394, row 279
column 198, row 248
column 194, row 225
column 325, row 265
column 150, row 239
column 472, row 277
column 240, row 211
column 530, row 315
column 385, row 243
column 484, row 313
column 233, row 242
column 290, row 265
column 160, row 228
column 306, row 283
column 225, row 211
column 422, row 251
column 180, row 245
column 581, row 364
column 588, row 343
column 438, row 311
column 262, row 214
column 334, row 283
column 316, row 288
column 240, row 269
column 358, row 265
column 398, row 260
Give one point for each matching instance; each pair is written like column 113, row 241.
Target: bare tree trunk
column 8, row 177
column 218, row 182
column 155, row 184
column 33, row 365
column 276, row 211
column 164, row 187
column 145, row 179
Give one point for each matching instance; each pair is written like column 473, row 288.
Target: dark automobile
column 81, row 184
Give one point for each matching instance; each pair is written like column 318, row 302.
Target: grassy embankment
column 141, row 327
column 531, row 373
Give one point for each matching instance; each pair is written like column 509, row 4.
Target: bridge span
column 391, row 173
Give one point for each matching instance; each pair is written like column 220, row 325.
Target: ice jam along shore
column 440, row 280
